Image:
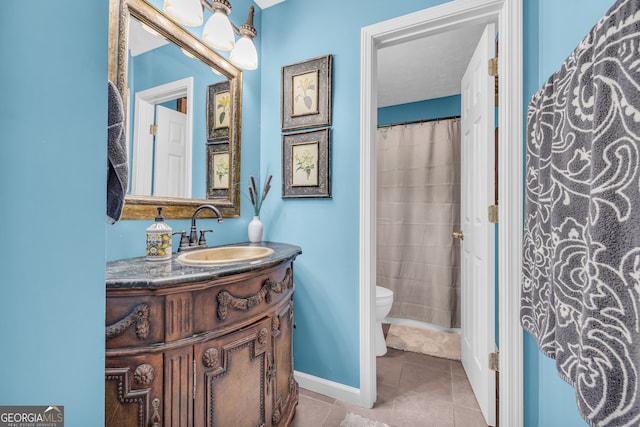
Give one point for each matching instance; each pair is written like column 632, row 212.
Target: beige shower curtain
column 418, row 207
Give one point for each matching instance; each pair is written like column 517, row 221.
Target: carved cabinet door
column 232, row 378
column 133, row 390
column 178, row 387
column 285, row 396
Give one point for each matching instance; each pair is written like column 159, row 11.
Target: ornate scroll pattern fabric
column 581, row 254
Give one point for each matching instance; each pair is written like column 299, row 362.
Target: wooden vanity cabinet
column 212, row 353
column 133, row 388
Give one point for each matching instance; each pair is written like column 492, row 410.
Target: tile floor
column 414, row 390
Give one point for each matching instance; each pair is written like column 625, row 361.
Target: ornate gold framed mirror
column 202, row 92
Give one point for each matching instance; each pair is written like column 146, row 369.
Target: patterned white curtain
column 418, row 207
column 581, row 259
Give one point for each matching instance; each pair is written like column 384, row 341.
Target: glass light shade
column 218, row 33
column 244, row 55
column 185, row 12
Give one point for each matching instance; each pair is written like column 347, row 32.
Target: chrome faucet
column 193, row 242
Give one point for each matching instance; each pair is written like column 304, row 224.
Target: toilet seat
column 383, row 294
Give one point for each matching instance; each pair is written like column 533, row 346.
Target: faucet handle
column 184, row 240
column 202, row 241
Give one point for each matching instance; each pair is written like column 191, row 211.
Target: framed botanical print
column 306, row 164
column 220, row 162
column 305, row 158
column 218, row 170
column 306, row 94
column 219, row 112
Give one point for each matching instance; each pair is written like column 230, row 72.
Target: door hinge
column 494, row 361
column 493, row 214
column 493, row 67
column 153, row 130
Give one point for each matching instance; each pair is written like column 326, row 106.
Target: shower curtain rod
column 418, row 121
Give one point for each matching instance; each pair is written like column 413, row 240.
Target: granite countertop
column 138, row 273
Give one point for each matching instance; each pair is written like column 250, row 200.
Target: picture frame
column 218, row 170
column 219, row 112
column 306, row 94
column 306, row 164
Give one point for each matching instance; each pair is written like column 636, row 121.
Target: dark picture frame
column 306, row 164
column 306, row 94
column 218, row 174
column 219, row 111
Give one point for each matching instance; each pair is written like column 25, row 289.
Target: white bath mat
column 425, row 341
column 354, row 420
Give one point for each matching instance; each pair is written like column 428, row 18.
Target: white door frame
column 508, row 15
column 144, row 113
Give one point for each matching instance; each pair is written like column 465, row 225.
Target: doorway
column 146, row 103
column 431, row 21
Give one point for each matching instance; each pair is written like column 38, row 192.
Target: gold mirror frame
column 120, row 11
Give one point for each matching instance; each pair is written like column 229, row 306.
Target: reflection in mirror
column 165, row 134
column 173, row 86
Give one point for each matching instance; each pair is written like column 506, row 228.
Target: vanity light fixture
column 185, row 12
column 218, row 30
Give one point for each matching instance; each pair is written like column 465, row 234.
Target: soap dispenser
column 159, row 239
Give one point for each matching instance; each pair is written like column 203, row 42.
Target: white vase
column 255, row 230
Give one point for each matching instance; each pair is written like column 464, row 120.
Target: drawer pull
column 271, row 372
column 155, row 418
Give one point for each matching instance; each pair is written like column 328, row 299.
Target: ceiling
column 425, row 68
column 416, row 70
column 142, row 39
column 421, row 69
column 263, row 4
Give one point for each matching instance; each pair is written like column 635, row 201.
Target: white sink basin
column 224, row 255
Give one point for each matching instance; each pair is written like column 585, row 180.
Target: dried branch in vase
column 253, row 194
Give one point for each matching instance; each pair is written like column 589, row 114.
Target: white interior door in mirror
column 170, row 153
column 150, row 176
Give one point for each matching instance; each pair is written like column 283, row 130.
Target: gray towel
column 581, row 259
column 117, row 159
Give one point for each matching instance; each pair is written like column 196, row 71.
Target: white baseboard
column 328, row 388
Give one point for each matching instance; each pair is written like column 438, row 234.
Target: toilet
column 384, row 301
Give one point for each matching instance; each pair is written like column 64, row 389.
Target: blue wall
column 53, row 79
column 421, row 110
column 326, row 341
column 54, row 141
column 552, row 31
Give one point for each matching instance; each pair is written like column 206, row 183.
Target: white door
column 477, row 248
column 170, row 154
